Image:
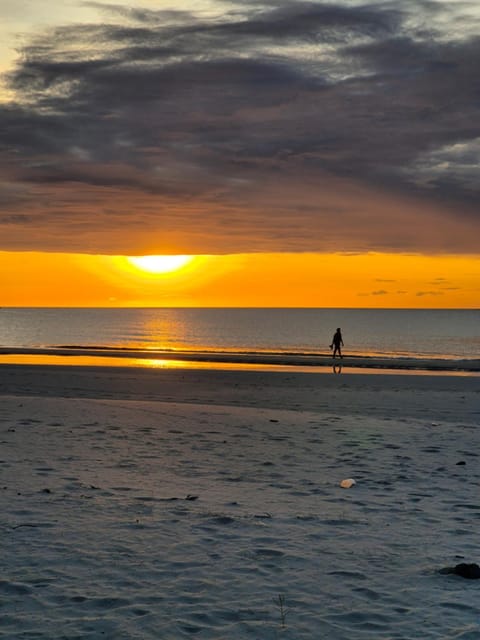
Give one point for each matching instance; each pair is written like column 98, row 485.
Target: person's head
column 338, row 329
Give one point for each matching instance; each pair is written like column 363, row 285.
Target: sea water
column 451, row 334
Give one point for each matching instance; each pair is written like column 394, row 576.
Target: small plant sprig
column 280, row 601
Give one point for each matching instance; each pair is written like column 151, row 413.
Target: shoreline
column 126, row 357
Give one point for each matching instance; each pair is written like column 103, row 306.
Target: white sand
column 181, row 504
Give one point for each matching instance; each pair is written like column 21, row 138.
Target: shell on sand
column 347, row 483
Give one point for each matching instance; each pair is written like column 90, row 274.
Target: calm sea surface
column 400, row 332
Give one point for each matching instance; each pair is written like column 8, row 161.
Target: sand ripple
column 143, row 520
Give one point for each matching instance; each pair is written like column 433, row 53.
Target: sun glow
column 159, row 264
column 35, row 279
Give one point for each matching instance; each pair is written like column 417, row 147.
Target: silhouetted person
column 337, row 342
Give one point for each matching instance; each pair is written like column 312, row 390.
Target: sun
column 159, row 264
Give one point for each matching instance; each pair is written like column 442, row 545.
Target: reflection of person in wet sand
column 337, row 343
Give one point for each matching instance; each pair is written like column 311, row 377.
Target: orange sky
column 290, row 280
column 334, row 165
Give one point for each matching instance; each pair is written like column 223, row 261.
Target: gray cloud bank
column 277, row 126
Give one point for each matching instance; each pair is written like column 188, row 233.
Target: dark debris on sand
column 469, row 571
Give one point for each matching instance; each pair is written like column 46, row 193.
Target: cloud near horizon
column 272, row 126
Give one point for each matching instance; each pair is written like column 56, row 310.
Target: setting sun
column 159, row 264
column 243, row 280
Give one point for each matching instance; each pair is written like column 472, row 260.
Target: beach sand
column 170, row 503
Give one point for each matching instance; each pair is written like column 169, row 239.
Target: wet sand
column 101, row 356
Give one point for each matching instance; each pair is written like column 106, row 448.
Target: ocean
column 448, row 334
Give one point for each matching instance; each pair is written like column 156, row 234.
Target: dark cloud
column 278, row 126
column 420, row 294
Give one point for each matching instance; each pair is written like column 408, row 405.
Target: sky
column 311, row 141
